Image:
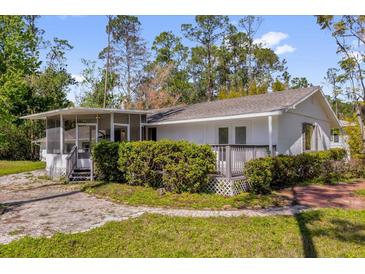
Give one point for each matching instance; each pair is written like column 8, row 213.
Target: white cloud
column 78, row 78
column 284, row 49
column 271, row 38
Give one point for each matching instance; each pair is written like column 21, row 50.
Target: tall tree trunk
column 107, row 65
column 210, row 86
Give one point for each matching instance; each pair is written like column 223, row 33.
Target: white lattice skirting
column 56, row 172
column 226, row 187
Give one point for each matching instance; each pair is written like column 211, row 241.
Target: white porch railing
column 71, row 161
column 231, row 159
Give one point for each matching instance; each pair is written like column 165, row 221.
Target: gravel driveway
column 36, row 206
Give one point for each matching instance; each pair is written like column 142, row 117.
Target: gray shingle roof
column 237, row 106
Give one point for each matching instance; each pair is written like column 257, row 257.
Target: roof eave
column 219, row 118
column 81, row 111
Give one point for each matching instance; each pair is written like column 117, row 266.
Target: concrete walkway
column 37, row 206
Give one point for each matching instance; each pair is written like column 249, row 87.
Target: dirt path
column 39, row 207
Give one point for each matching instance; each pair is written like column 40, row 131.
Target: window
column 223, row 135
column 335, row 133
column 240, row 135
column 152, row 134
column 308, row 130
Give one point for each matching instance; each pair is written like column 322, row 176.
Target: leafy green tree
column 334, row 79
column 128, row 54
column 348, row 32
column 26, row 87
column 208, row 30
column 299, row 82
column 172, row 54
column 278, row 85
column 93, row 85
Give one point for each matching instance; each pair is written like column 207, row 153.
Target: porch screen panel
column 69, row 133
column 121, row 118
column 86, row 118
column 135, row 127
column 53, row 135
column 104, row 127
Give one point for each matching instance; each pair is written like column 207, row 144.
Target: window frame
column 235, row 135
column 226, row 128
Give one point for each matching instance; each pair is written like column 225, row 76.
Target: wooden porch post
column 61, row 134
column 77, row 133
column 269, row 120
column 112, row 127
column 228, row 162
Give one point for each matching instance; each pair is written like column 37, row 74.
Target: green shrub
column 336, row 154
column 307, row 166
column 283, row 172
column 273, row 173
column 258, row 175
column 188, row 169
column 137, row 160
column 355, row 168
column 175, row 165
column 105, row 156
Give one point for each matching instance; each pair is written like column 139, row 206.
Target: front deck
column 231, row 159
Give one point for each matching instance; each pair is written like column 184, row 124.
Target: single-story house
column 239, row 129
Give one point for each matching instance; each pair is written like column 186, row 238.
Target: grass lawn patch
column 138, row 195
column 12, row 167
column 322, row 233
column 360, row 192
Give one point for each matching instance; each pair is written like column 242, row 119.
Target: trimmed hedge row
column 273, row 173
column 178, row 166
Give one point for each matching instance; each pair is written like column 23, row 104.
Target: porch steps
column 80, row 174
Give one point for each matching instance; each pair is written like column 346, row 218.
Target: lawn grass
column 138, row 195
column 322, row 233
column 360, row 192
column 12, row 167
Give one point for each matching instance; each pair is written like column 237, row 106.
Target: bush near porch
column 177, row 166
column 273, row 173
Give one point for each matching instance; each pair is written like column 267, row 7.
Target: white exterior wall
column 291, row 122
column 257, row 132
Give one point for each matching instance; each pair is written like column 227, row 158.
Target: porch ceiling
column 81, row 110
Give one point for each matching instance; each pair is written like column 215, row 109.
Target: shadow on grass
column 303, row 219
column 343, row 230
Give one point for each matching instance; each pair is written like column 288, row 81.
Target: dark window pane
column 223, row 135
column 240, row 135
column 308, row 130
column 152, row 134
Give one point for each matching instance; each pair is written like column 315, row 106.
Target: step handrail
column 71, row 162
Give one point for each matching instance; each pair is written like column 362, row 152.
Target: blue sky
column 309, row 51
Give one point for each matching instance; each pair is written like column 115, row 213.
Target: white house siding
column 207, row 132
column 291, row 122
